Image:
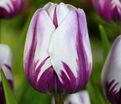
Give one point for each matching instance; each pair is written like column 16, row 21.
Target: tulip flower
column 110, row 10
column 5, row 65
column 10, row 8
column 111, row 75
column 81, row 97
column 57, row 55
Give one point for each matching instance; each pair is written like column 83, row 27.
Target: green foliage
column 10, row 98
column 105, row 41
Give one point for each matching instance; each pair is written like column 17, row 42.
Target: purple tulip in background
column 110, row 10
column 10, row 8
column 111, row 75
column 57, row 55
column 81, row 97
column 5, row 65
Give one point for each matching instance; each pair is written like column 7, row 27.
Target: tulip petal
column 50, row 8
column 70, row 51
column 57, row 12
column 37, row 43
column 85, row 40
column 62, row 43
column 71, row 7
column 61, row 11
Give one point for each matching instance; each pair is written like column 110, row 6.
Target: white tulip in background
column 6, row 60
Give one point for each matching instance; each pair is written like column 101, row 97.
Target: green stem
column 58, row 99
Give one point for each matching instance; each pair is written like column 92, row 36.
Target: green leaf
column 105, row 41
column 10, row 99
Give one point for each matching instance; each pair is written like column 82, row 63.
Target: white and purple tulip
column 5, row 65
column 10, row 8
column 81, row 97
column 111, row 75
column 57, row 55
column 110, row 10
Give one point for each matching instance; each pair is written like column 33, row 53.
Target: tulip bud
column 111, row 75
column 5, row 65
column 10, row 8
column 57, row 55
column 81, row 97
column 110, row 10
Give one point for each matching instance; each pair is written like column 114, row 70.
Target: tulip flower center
column 116, row 4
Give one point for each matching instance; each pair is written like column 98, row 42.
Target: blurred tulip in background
column 109, row 10
column 10, row 8
column 81, row 97
column 111, row 75
column 5, row 65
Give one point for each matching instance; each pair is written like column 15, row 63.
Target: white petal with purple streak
column 85, row 36
column 63, row 45
column 41, row 31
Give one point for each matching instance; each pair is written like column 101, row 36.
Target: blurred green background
column 14, row 33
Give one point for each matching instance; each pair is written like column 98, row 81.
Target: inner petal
column 57, row 13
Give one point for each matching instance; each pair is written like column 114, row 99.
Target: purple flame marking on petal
column 8, row 67
column 30, row 65
column 70, row 84
column 46, row 81
column 82, row 59
column 38, row 69
column 55, row 21
column 113, row 96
